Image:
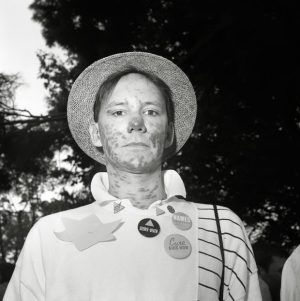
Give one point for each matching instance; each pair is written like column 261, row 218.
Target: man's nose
column 136, row 124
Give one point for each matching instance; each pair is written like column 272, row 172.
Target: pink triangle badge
column 149, row 223
column 118, row 207
column 159, row 211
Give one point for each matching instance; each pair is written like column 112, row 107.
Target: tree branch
column 37, row 120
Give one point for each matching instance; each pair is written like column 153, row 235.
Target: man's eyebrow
column 116, row 103
column 156, row 103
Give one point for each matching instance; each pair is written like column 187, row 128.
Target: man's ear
column 95, row 135
column 170, row 135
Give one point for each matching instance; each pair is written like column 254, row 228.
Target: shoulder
column 220, row 229
column 231, row 226
column 227, row 217
column 42, row 238
column 53, row 221
column 71, row 213
column 294, row 257
column 231, row 230
column 293, row 263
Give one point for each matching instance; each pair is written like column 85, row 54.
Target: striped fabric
column 239, row 260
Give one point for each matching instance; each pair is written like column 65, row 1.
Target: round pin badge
column 171, row 209
column 148, row 227
column 178, row 246
column 182, row 221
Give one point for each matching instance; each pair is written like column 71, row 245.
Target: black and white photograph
column 149, row 150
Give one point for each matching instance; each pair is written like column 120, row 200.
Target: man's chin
column 138, row 166
column 140, row 169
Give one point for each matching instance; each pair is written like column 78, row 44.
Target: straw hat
column 84, row 90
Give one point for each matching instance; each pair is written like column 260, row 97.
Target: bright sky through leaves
column 20, row 39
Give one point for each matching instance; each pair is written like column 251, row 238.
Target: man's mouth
column 137, row 144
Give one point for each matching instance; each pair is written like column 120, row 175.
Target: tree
column 30, row 147
column 11, row 222
column 243, row 61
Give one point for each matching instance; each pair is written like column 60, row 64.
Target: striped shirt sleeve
column 240, row 271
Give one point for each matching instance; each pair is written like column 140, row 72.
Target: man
column 140, row 239
column 270, row 259
column 290, row 288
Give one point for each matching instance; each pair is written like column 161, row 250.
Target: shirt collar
column 172, row 182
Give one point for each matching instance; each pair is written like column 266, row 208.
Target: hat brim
column 82, row 97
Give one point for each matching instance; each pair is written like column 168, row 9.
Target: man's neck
column 141, row 189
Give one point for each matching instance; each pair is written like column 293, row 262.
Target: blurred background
column 243, row 60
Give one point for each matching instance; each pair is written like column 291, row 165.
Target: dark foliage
column 242, row 58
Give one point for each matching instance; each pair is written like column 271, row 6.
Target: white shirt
column 56, row 265
column 290, row 278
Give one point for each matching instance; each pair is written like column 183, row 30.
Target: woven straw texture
column 84, row 89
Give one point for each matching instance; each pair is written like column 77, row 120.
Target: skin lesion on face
column 134, row 98
column 134, row 132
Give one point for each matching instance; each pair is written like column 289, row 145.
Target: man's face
column 133, row 125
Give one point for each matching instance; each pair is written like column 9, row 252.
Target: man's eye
column 118, row 113
column 151, row 112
